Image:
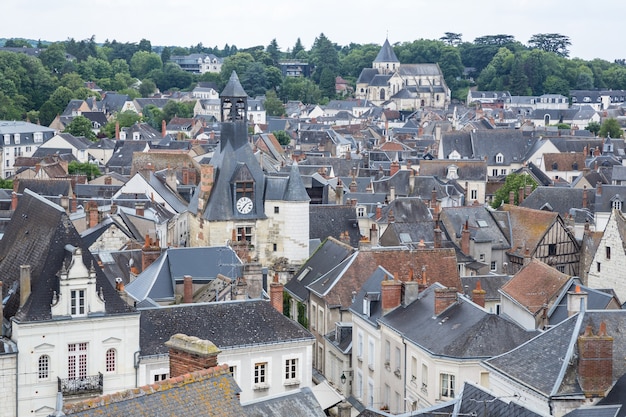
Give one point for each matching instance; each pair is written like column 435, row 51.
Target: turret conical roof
column 386, row 53
column 233, row 87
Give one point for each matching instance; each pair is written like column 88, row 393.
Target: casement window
column 77, row 360
column 44, row 366
column 447, row 385
column 77, row 302
column 111, row 359
column 291, row 371
column 260, row 373
column 244, row 234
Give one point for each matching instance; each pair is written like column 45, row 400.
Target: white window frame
column 447, row 385
column 77, row 364
column 43, row 366
column 77, row 302
column 292, row 371
column 111, row 360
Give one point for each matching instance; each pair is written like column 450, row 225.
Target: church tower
column 386, row 61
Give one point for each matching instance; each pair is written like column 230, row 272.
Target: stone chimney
column 391, row 294
column 189, row 354
column 187, row 289
column 392, row 193
column 437, row 242
column 93, row 214
column 344, row 408
column 140, row 209
column 14, row 200
column 390, row 217
column 598, row 188
column 150, row 251
column 595, row 361
column 478, row 295
column 170, row 178
column 520, row 195
column 393, row 168
column 444, row 298
column 24, row 284
column 433, row 198
column 163, row 128
column 576, row 301
column 108, row 180
column 276, row 294
column 411, row 290
column 465, row 238
column 585, row 197
column 339, row 192
column 353, row 186
column 374, row 235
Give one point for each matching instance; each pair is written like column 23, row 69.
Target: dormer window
column 16, row 138
column 499, row 158
column 77, row 303
column 38, row 137
column 7, row 139
column 616, row 203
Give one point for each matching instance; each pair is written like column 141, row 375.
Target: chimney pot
column 187, row 289
column 595, row 362
column 478, row 295
column 276, row 294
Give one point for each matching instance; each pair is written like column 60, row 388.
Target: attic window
column 499, row 158
column 304, row 273
column 482, row 223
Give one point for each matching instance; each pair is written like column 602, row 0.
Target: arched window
column 546, row 120
column 44, row 366
column 382, row 93
column 110, row 360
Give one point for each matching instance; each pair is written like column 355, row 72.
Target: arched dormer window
column 555, row 166
column 546, row 120
column 616, row 202
column 499, row 158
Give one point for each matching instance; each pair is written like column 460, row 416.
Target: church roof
column 386, row 53
column 233, row 87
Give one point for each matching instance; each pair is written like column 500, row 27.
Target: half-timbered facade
column 541, row 235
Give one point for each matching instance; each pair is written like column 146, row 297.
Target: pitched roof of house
column 528, row 227
column 467, row 170
column 556, row 373
column 463, row 330
column 337, row 285
column 209, row 392
column 535, row 285
column 340, row 222
column 37, row 236
column 330, row 253
column 204, row 264
column 256, row 322
column 561, row 200
column 301, row 403
column 481, row 225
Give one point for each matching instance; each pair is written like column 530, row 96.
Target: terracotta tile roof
column 209, row 392
column 535, row 286
column 440, row 267
column 528, row 227
column 564, row 161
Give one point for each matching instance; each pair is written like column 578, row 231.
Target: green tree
column 178, row 109
column 551, row 42
column 238, row 63
column 83, row 168
column 53, row 57
column 153, row 116
column 593, row 127
column 6, row 184
column 274, row 51
column 324, row 56
column 297, row 48
column 17, row 43
column 282, row 137
column 273, row 105
column 147, row 88
column 143, row 62
column 513, row 182
column 254, row 79
column 274, row 77
column 451, row 38
column 327, row 84
column 166, row 54
column 80, row 126
column 610, row 128
column 300, row 89
column 125, row 119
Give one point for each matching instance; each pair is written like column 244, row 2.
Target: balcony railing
column 91, row 384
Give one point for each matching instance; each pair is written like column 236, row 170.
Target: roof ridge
column 149, row 389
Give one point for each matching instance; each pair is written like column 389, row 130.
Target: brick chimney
column 520, row 195
column 73, row 204
column 140, row 209
column 585, row 197
column 437, row 242
column 108, row 180
column 117, row 130
column 24, row 284
column 353, row 186
column 379, row 211
column 276, row 294
column 150, row 251
column 93, row 213
column 478, row 295
column 393, row 168
column 465, row 238
column 207, row 177
column 391, row 294
column 14, row 200
column 163, row 128
column 595, row 361
column 189, row 354
column 444, row 298
column 187, row 289
column 511, row 197
column 433, row 198
column 576, row 301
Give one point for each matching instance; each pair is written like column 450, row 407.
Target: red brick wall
column 595, row 362
column 182, row 363
column 276, row 296
column 444, row 298
column 391, row 294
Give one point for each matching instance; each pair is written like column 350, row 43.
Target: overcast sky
column 595, row 27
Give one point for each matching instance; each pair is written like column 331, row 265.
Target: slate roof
column 203, row 263
column 406, row 210
column 47, row 188
column 463, row 330
column 326, row 256
column 233, row 87
column 290, row 188
column 477, row 401
column 371, row 290
column 606, row 195
column 597, row 411
column 555, row 374
column 408, row 234
column 210, row 392
column 301, row 403
column 122, row 158
column 481, row 225
column 467, row 170
column 386, row 53
column 26, row 131
column 596, row 300
column 37, row 236
column 256, row 321
column 333, row 220
column 489, row 283
column 561, row 200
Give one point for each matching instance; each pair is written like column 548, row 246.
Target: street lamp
column 343, row 376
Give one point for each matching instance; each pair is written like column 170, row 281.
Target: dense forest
column 38, row 88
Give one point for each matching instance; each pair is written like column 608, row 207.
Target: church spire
column 386, row 59
column 234, row 101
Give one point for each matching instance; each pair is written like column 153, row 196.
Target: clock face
column 244, row 205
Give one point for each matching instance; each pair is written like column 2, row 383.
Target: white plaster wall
column 8, row 374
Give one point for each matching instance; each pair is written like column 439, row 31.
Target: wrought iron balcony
column 91, row 384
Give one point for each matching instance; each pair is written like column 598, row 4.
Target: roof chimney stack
column 595, row 361
column 444, row 298
column 24, row 284
column 189, row 354
column 391, row 294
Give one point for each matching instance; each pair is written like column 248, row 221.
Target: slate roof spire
column 234, row 101
column 296, row 190
column 386, row 53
